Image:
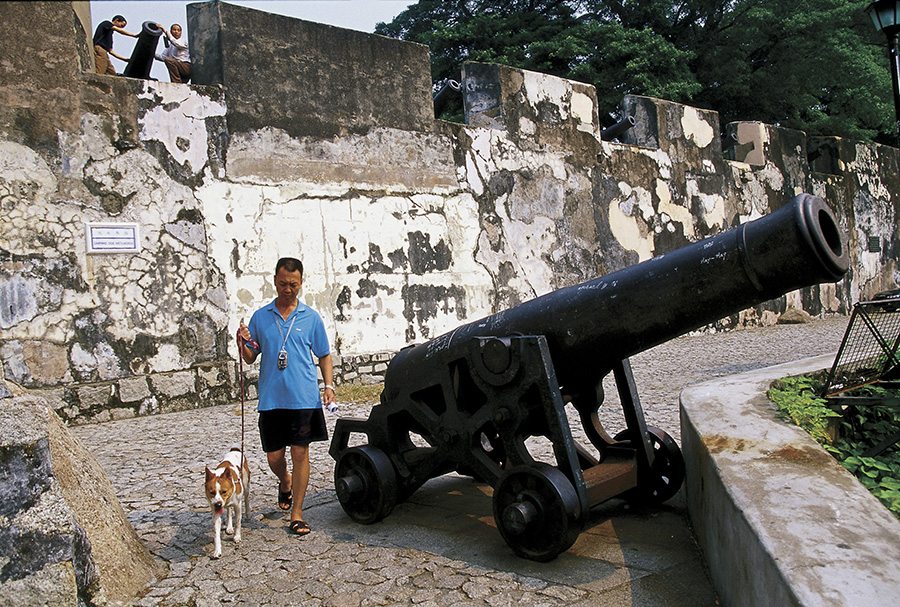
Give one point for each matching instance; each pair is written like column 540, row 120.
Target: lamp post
column 886, row 16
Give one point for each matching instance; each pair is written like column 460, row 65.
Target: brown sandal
column 299, row 527
column 284, row 499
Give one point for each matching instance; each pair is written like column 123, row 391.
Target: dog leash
column 241, row 342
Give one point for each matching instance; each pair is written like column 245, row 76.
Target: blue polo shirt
column 297, row 386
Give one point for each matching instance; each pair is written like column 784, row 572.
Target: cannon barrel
column 450, row 89
column 618, row 129
column 141, row 61
column 592, row 325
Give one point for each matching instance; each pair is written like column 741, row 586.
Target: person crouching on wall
column 175, row 55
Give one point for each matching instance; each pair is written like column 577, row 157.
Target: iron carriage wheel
column 537, row 511
column 366, row 483
column 666, row 473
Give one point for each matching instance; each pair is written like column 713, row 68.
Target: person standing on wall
column 175, row 55
column 103, row 43
column 287, row 333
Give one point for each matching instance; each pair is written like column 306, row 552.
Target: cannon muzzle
column 618, row 129
column 470, row 399
column 450, row 90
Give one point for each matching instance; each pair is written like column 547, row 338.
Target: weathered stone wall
column 407, row 226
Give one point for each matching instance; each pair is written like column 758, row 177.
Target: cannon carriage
column 469, row 400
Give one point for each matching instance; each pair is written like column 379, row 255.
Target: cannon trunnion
column 469, row 400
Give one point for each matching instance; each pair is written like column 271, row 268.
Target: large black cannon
column 141, row 61
column 469, row 400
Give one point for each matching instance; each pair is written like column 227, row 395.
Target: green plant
column 796, row 400
column 860, row 428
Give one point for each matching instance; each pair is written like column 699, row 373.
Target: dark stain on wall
column 343, row 301
column 196, row 338
column 423, row 257
column 375, row 264
column 236, row 258
column 398, row 259
column 367, row 288
column 423, row 302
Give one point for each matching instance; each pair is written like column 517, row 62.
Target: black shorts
column 279, row 428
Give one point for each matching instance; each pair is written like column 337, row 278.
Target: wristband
column 327, row 387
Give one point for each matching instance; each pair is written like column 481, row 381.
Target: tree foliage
column 814, row 65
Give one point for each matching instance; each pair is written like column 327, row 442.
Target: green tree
column 816, row 65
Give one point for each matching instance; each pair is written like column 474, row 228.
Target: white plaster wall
column 332, row 235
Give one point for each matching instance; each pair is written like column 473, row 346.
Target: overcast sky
column 359, row 15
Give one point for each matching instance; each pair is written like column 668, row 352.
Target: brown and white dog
column 228, row 488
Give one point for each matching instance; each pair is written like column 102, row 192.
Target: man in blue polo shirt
column 287, row 333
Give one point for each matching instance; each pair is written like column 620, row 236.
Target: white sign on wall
column 112, row 237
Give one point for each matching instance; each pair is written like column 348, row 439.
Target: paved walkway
column 441, row 547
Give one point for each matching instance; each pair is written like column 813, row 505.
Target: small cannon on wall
column 469, row 400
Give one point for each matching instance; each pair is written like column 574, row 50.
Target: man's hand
column 244, row 339
column 328, row 395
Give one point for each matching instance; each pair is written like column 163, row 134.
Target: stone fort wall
column 307, row 140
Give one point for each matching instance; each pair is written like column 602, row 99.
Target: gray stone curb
column 780, row 520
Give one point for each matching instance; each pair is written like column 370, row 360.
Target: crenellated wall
column 328, row 150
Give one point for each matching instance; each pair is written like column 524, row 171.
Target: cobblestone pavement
column 439, row 548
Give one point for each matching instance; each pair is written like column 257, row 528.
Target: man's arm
column 326, row 365
column 117, row 56
column 121, row 31
column 167, row 52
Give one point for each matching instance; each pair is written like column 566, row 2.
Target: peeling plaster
column 712, row 206
column 696, row 128
column 676, row 212
column 178, row 121
column 583, row 110
column 556, row 91
column 404, row 234
column 627, row 226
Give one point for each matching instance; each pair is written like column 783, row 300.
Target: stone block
column 173, row 384
column 368, row 380
column 212, row 375
column 26, row 455
column 133, row 389
column 94, row 395
column 48, row 363
column 54, row 585
column 121, row 413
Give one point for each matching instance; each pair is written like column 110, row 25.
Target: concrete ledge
column 780, row 521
